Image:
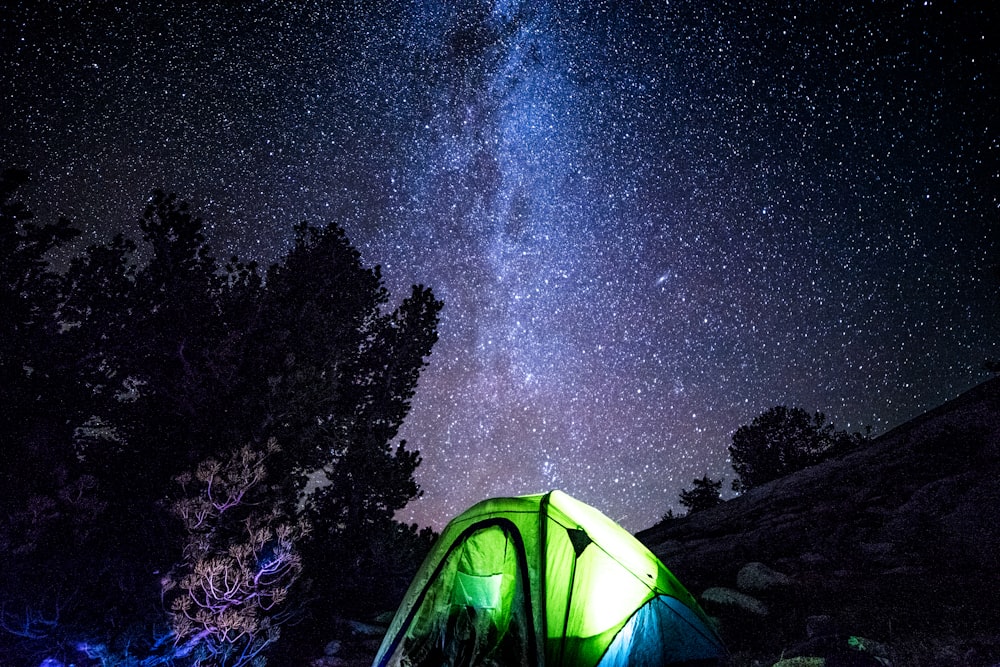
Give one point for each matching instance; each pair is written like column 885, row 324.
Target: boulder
column 359, row 629
column 759, row 578
column 727, row 602
column 328, row 661
column 801, row 661
column 842, row 651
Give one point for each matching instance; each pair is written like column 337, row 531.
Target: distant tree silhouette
column 705, row 494
column 782, row 440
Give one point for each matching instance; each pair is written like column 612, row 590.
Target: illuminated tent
column 545, row 580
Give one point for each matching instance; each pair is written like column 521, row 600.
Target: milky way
column 649, row 221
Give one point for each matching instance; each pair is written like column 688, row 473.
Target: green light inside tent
column 600, row 617
column 599, row 577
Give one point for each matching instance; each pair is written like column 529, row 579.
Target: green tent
column 545, row 580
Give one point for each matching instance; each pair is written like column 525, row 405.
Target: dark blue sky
column 648, row 222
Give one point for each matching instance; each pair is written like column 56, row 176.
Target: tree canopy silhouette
column 782, row 440
column 164, row 413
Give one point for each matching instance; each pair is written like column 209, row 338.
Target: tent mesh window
column 474, row 613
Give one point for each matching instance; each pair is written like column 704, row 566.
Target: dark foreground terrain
column 889, row 555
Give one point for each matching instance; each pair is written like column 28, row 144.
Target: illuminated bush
column 230, row 597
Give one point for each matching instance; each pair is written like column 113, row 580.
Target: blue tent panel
column 662, row 632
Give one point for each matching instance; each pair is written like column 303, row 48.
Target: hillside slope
column 899, row 542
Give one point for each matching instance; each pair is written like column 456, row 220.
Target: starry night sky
column 649, row 221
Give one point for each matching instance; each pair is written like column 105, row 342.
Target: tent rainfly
column 545, row 581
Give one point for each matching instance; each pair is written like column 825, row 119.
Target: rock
column 811, row 559
column 879, row 651
column 727, row 602
column 801, row 661
column 843, row 651
column 385, row 618
column 820, row 626
column 359, row 629
column 880, row 553
column 759, row 578
column 328, row 661
column 333, row 648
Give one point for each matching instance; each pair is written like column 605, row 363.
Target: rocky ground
column 358, row 643
column 890, row 555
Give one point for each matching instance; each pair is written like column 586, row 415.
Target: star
column 821, row 183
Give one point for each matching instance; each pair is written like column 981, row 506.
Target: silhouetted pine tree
column 705, row 494
column 144, row 363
